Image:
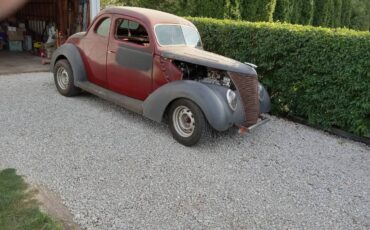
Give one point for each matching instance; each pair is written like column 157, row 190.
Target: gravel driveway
column 117, row 170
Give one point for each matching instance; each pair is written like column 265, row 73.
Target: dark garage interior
column 30, row 35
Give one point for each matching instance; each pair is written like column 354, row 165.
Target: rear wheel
column 187, row 122
column 64, row 80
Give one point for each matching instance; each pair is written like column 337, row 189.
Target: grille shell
column 248, row 90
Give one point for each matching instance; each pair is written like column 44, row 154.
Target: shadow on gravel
column 159, row 128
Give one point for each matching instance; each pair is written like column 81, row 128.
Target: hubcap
column 183, row 120
column 62, row 78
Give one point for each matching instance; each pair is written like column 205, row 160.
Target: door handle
column 111, row 51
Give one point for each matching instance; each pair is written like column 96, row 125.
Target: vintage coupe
column 153, row 63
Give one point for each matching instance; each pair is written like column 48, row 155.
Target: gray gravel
column 117, row 170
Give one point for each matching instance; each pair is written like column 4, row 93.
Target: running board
column 129, row 103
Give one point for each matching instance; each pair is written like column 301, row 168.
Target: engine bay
column 204, row 74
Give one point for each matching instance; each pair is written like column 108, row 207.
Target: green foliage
column 319, row 74
column 17, row 208
column 294, row 11
column 105, row 3
column 337, row 14
column 306, row 12
column 323, row 12
column 346, row 13
column 232, row 9
column 360, row 18
column 282, row 10
column 261, row 10
column 327, row 13
column 206, row 8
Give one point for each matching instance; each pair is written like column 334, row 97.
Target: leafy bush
column 322, row 75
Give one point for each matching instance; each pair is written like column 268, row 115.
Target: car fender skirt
column 74, row 58
column 210, row 98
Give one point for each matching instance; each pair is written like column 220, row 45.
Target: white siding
column 94, row 8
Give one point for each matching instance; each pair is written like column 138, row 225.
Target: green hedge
column 319, row 74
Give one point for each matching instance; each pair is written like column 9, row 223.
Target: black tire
column 178, row 123
column 64, row 80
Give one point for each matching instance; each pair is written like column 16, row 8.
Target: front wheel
column 187, row 122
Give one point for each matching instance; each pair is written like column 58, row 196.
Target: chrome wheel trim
column 183, row 121
column 62, row 78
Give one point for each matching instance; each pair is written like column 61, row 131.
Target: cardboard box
column 11, row 28
column 15, row 46
column 15, row 35
column 22, row 26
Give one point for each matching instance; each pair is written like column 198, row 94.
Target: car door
column 95, row 47
column 130, row 58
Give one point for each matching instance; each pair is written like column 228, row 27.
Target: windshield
column 172, row 35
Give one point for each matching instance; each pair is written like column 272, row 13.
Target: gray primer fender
column 265, row 101
column 209, row 97
column 73, row 56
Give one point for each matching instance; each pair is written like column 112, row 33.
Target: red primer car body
column 99, row 54
column 153, row 63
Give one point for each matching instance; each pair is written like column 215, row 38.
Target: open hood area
column 208, row 59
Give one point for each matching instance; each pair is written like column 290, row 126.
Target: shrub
column 320, row 74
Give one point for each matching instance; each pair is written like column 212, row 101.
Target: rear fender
column 72, row 54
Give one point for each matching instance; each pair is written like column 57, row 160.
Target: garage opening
column 29, row 37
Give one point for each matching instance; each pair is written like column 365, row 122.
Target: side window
column 103, row 28
column 132, row 32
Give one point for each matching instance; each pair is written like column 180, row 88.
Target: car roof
column 148, row 16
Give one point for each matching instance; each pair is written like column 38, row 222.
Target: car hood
column 204, row 58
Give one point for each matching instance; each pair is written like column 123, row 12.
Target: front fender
column 265, row 101
column 72, row 54
column 210, row 98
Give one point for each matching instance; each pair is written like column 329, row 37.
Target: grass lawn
column 18, row 208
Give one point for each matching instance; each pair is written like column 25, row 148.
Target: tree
column 248, row 10
column 360, row 15
column 232, row 9
column 282, row 10
column 306, row 12
column 196, row 8
column 337, row 14
column 261, row 10
column 323, row 13
column 346, row 13
column 265, row 10
column 295, row 11
column 328, row 13
column 105, row 3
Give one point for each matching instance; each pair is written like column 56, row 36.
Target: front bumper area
column 261, row 121
column 247, row 86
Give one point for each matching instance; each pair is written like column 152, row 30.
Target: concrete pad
column 20, row 62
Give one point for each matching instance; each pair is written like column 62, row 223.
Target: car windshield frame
column 198, row 45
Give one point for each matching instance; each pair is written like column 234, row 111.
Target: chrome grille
column 248, row 90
